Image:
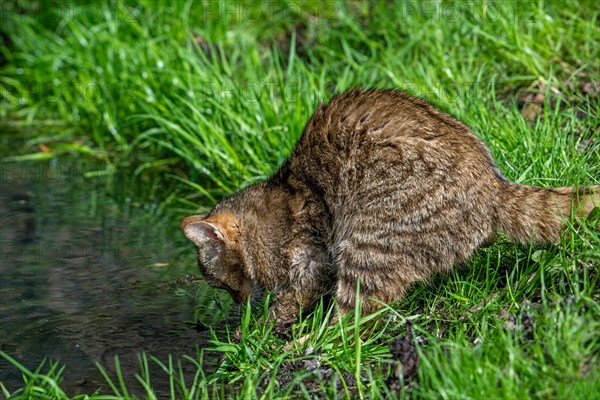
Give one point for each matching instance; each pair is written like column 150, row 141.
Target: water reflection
column 87, row 274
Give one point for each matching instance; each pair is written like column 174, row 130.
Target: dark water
column 88, row 270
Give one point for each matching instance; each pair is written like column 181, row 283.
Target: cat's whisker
column 203, row 285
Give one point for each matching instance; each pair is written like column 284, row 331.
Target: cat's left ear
column 218, row 228
column 208, row 238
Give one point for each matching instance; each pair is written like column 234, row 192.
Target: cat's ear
column 207, row 237
column 201, row 232
column 192, row 219
column 215, row 230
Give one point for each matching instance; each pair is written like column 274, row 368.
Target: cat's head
column 218, row 249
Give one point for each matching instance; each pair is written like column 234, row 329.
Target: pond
column 89, row 271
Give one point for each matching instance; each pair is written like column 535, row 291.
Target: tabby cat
column 382, row 188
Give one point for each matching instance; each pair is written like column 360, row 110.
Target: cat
column 382, row 189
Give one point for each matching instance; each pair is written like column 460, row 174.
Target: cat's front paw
column 236, row 338
column 283, row 330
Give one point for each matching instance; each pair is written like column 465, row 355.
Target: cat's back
column 362, row 136
column 358, row 118
column 396, row 173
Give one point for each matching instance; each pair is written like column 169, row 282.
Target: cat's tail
column 528, row 212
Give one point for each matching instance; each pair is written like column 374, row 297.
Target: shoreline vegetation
column 199, row 99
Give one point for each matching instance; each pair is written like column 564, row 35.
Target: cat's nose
column 237, row 297
column 244, row 298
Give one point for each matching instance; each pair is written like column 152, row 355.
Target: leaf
column 77, row 148
column 44, row 149
column 225, row 348
column 539, row 255
column 30, row 157
column 158, row 265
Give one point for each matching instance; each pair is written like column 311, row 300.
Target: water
column 87, row 272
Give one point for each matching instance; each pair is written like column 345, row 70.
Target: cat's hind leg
column 382, row 277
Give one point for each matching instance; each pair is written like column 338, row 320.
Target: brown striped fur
column 381, row 188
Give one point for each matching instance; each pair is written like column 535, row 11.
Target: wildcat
column 381, row 188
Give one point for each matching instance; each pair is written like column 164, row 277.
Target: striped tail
column 529, row 213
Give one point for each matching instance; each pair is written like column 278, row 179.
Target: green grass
column 210, row 100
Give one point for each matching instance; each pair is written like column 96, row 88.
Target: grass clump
column 210, row 99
